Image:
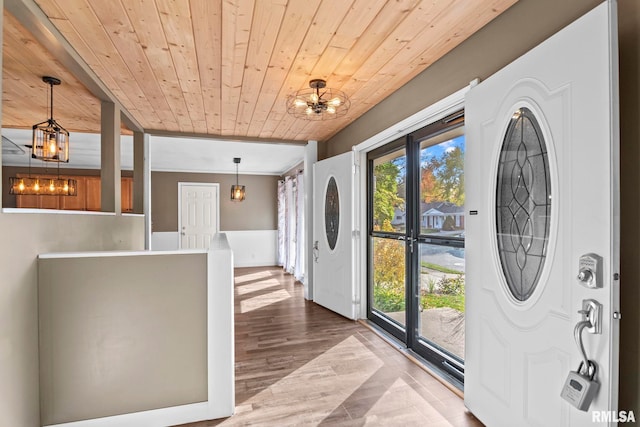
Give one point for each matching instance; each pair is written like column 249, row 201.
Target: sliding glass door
column 416, row 242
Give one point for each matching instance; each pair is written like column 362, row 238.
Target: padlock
column 580, row 388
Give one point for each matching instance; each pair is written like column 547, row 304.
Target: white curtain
column 291, row 225
column 290, row 184
column 281, row 223
column 299, row 267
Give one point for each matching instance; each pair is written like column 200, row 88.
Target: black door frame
column 450, row 366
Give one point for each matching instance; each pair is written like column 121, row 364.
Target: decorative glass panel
column 523, row 204
column 331, row 213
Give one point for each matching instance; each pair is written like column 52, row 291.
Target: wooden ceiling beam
column 233, row 138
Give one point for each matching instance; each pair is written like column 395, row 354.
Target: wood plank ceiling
column 226, row 67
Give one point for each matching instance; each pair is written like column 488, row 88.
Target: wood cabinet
column 87, row 199
column 93, row 193
column 75, row 203
column 127, row 194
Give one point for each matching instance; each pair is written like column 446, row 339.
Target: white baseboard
column 251, row 248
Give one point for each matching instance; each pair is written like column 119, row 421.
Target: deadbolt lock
column 590, row 270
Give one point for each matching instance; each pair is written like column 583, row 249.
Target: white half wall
column 25, row 234
column 251, row 248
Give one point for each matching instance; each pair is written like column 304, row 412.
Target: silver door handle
column 316, row 252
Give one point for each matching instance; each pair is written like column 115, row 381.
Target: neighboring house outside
column 399, row 218
column 433, row 215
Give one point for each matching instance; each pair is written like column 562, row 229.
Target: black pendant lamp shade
column 50, row 140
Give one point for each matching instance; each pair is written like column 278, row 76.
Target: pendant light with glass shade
column 50, row 143
column 237, row 191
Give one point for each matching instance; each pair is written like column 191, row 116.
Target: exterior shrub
column 451, row 285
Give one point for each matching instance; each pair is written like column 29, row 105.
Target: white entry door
column 333, row 285
column 542, row 191
column 198, row 214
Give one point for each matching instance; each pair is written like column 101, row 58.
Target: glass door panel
column 441, row 266
column 442, row 185
column 389, row 193
column 441, row 320
column 389, row 289
column 388, row 223
column 416, row 243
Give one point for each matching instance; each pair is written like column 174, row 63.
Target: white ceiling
column 168, row 154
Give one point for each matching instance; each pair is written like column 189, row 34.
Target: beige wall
column 121, row 334
column 23, row 237
column 259, row 211
column 510, row 35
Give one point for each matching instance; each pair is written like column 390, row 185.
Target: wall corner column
column 110, row 180
column 142, row 182
column 310, row 158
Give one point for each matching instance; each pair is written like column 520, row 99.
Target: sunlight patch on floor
column 315, row 390
column 258, row 286
column 249, row 277
column 402, row 404
column 263, row 300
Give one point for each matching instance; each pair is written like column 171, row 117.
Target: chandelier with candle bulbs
column 318, row 102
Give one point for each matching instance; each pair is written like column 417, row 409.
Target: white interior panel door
column 198, row 214
column 541, row 191
column 333, row 285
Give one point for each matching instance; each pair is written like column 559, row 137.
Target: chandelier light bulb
column 318, row 102
column 36, row 186
column 52, row 145
column 21, row 185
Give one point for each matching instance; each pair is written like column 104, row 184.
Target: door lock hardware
column 590, row 270
column 592, row 313
column 580, row 387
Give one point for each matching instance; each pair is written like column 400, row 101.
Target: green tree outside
column 442, row 179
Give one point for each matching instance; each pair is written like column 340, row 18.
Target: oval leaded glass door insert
column 523, row 204
column 331, row 213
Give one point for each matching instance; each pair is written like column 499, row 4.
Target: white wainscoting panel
column 164, row 241
column 251, row 248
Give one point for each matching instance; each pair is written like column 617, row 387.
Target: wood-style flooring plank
column 299, row 364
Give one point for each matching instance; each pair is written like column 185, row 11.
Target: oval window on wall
column 331, row 213
column 523, row 204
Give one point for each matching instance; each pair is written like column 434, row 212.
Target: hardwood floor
column 298, row 363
